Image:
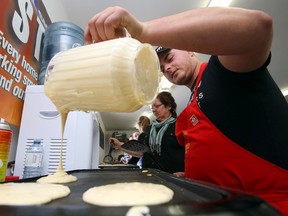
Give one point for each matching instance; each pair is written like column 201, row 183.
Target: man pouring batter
column 235, row 129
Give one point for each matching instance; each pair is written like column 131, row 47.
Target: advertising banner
column 22, row 26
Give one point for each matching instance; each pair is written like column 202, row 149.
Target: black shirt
column 248, row 108
column 172, row 153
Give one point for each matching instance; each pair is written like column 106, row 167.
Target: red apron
column 212, row 157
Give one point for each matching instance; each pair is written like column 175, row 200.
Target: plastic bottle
column 34, row 160
column 58, row 37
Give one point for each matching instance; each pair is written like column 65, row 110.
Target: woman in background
column 161, row 137
column 143, row 127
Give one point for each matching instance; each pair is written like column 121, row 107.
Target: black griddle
column 190, row 197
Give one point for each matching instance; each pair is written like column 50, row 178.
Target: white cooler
column 41, row 120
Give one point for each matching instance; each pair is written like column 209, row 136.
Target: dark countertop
column 190, row 197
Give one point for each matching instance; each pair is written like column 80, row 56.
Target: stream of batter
column 60, row 176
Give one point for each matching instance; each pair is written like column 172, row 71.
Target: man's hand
column 116, row 144
column 179, row 174
column 112, row 23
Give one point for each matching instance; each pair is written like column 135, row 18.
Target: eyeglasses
column 155, row 106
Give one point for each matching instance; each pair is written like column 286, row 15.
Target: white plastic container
column 118, row 75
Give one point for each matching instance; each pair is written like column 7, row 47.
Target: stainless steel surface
column 108, row 158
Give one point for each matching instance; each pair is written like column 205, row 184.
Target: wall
column 102, row 150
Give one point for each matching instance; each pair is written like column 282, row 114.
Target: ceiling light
column 285, row 92
column 219, row 3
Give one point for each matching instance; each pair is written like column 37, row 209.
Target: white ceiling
column 80, row 11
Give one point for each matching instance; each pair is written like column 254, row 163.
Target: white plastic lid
column 37, row 141
column 4, row 125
